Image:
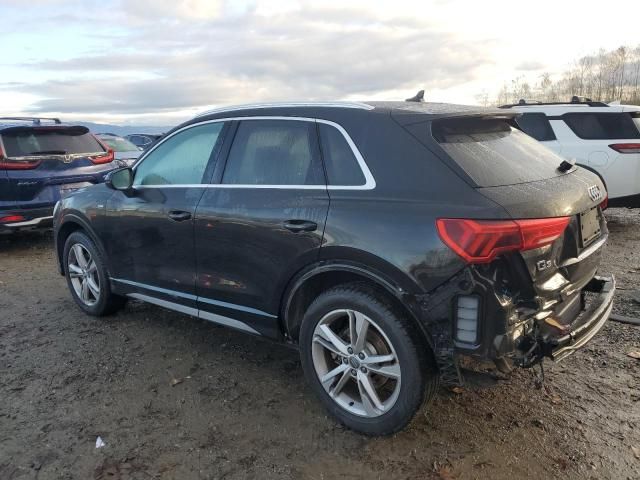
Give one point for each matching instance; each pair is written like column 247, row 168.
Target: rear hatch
column 44, row 163
column 531, row 182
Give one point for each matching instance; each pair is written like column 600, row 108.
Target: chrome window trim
column 369, row 184
column 250, row 106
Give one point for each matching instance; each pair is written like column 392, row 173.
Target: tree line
column 605, row 76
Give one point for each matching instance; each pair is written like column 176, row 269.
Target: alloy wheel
column 356, row 363
column 83, row 273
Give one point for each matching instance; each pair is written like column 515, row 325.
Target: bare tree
column 603, row 76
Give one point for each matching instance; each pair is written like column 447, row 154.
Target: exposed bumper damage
column 515, row 326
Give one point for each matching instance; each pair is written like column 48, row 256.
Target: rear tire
column 366, row 360
column 88, row 278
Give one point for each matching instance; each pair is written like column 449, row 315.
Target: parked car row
column 602, row 138
column 43, row 159
column 390, row 242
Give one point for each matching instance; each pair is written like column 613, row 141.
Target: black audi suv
column 391, row 242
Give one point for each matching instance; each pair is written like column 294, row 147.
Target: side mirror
column 121, row 179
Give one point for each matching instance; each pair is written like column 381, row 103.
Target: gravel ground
column 178, row 398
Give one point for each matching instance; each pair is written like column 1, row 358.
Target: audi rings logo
column 595, row 193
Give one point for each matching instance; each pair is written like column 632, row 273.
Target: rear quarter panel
column 392, row 228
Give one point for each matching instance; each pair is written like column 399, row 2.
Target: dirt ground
column 178, row 398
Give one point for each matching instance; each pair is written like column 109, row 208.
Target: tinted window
column 274, row 152
column 339, row 160
column 119, row 144
column 180, row 160
column 602, row 126
column 536, row 125
column 21, row 142
column 492, row 153
column 136, row 140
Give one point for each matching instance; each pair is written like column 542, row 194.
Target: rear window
column 602, row 126
column 59, row 141
column 493, row 153
column 536, row 125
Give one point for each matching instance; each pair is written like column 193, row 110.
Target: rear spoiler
column 408, row 117
column 71, row 129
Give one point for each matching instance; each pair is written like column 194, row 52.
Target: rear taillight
column 100, row 159
column 12, row 218
column 626, row 147
column 480, row 241
column 604, row 203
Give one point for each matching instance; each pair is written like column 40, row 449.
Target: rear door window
column 493, row 153
column 21, row 142
column 602, row 126
column 339, row 161
column 274, row 152
column 536, row 125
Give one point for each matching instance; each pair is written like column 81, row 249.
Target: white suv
column 603, row 138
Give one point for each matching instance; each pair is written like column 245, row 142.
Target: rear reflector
column 12, row 218
column 467, row 314
column 626, row 147
column 480, row 241
column 18, row 164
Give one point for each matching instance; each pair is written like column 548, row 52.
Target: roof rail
column 35, row 120
column 575, row 100
column 250, row 106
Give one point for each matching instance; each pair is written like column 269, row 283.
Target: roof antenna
column 418, row 98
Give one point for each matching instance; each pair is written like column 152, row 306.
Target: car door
column 260, row 223
column 150, row 236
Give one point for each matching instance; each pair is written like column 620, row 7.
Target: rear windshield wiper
column 567, row 165
column 48, row 152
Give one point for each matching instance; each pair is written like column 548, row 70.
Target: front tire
column 87, row 277
column 365, row 360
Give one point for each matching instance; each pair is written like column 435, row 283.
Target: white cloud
column 168, row 58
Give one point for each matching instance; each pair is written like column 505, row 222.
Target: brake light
column 626, row 147
column 100, row 159
column 480, row 241
column 12, row 218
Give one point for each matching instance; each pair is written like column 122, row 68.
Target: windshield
column 49, row 141
column 493, row 153
column 119, row 144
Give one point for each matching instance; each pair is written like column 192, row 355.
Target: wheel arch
column 317, row 278
column 73, row 223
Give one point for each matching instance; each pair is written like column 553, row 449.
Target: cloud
column 530, row 65
column 174, row 61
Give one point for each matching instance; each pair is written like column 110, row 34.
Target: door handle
column 179, row 215
column 300, row 226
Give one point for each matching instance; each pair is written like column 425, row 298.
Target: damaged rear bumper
column 588, row 323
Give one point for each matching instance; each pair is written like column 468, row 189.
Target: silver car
column 126, row 153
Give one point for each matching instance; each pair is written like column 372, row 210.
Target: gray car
column 125, row 151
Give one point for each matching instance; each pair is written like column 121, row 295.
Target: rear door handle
column 300, row 226
column 179, row 215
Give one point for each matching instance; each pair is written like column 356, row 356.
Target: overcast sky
column 159, row 62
